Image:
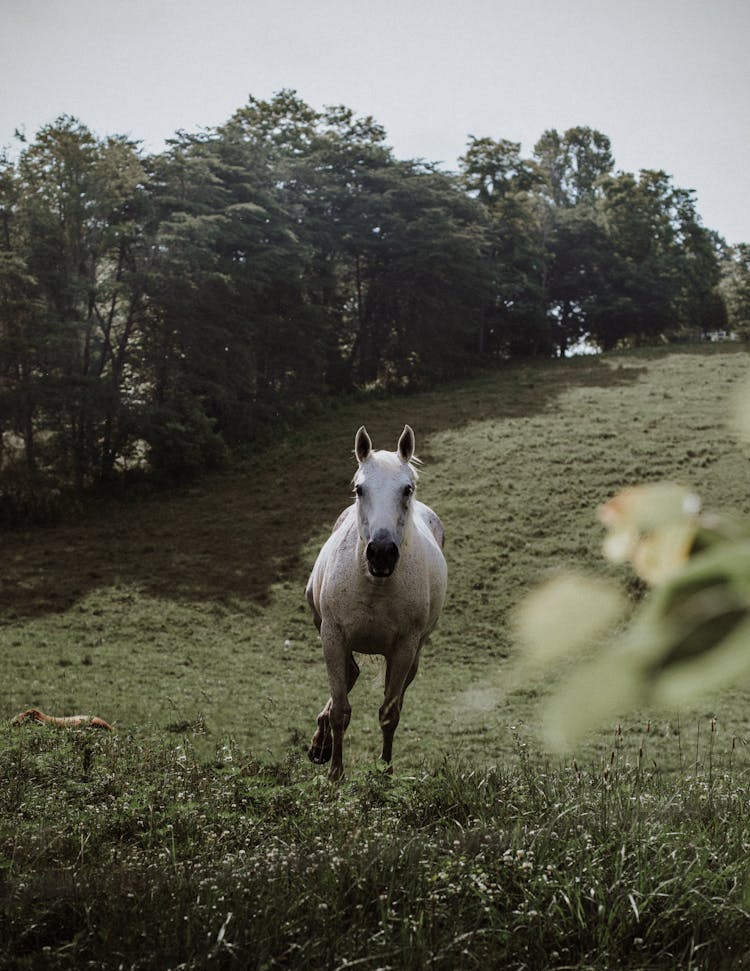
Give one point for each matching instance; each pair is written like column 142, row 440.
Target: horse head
column 384, row 486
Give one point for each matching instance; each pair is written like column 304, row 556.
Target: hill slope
column 186, row 612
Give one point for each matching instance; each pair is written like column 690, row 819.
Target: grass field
column 181, row 619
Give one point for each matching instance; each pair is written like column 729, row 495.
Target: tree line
column 157, row 310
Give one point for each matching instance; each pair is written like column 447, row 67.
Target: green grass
column 127, row 851
column 181, row 618
column 190, row 605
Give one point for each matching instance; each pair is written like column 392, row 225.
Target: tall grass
column 124, row 852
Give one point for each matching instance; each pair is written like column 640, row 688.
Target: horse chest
column 375, row 616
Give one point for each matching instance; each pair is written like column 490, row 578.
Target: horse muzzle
column 382, row 555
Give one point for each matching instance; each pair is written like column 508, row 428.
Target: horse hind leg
column 321, row 745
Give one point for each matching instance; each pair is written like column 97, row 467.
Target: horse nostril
column 381, row 556
column 387, row 550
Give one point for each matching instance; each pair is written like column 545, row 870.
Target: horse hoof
column 319, row 755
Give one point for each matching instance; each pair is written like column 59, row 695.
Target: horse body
column 377, row 587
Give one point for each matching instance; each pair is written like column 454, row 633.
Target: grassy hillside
column 198, row 835
column 186, row 611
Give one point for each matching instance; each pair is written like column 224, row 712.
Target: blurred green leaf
column 566, row 615
column 691, row 635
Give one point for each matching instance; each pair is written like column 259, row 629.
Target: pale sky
column 667, row 80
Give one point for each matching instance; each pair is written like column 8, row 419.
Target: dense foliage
column 156, row 310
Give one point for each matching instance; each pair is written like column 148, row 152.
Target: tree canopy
column 158, row 310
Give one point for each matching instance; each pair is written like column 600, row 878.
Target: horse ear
column 362, row 444
column 406, row 444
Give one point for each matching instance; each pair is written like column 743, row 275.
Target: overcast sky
column 667, row 80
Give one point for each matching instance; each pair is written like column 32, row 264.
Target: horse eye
column 408, row 490
column 359, row 490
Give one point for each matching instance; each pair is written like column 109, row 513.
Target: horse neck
column 408, row 525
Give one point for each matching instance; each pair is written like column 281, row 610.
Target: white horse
column 377, row 587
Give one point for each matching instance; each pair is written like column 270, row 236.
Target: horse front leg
column 321, row 745
column 328, row 741
column 401, row 669
column 339, row 663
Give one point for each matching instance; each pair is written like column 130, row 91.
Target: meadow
column 198, row 835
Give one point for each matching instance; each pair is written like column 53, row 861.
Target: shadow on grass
column 230, row 537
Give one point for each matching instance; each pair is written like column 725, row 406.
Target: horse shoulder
column 433, row 522
column 311, row 601
column 343, row 524
column 343, row 516
column 430, row 529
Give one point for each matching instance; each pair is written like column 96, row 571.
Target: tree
column 573, row 165
column 513, row 320
column 20, row 339
column 571, row 170
column 663, row 264
column 71, row 235
column 492, row 170
column 155, row 310
column 224, row 290
column 337, row 195
column 577, row 275
column 735, row 287
column 391, row 252
column 421, row 278
column 18, row 314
